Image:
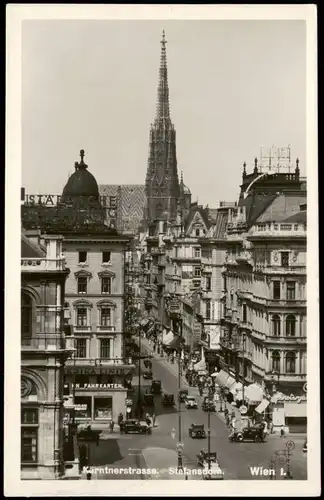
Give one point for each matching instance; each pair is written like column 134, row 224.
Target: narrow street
column 159, row 449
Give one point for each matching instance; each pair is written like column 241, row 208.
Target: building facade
column 263, row 335
column 44, row 352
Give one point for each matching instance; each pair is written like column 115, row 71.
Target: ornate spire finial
column 297, row 163
column 76, row 165
column 244, row 169
column 163, row 110
column 255, row 165
column 82, row 164
column 181, row 177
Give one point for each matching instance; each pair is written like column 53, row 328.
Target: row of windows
column 83, row 285
column 105, row 348
column 29, row 435
column 289, row 364
column 83, row 257
column 105, row 316
column 290, row 290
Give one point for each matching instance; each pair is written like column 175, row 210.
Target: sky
column 235, row 86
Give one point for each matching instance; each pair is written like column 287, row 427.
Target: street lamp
column 274, row 374
column 243, row 364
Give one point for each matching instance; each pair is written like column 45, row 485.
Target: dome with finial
column 81, row 182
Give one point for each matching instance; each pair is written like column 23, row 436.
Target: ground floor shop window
column 296, row 424
column 29, row 435
column 86, row 403
column 103, row 407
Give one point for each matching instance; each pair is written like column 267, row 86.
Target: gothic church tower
column 162, row 184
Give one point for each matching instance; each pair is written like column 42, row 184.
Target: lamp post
column 210, row 382
column 243, row 364
column 180, row 467
column 139, row 397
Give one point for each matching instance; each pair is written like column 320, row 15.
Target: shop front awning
column 254, row 394
column 176, row 343
column 262, row 406
column 200, row 366
column 236, row 388
column 167, row 337
column 221, row 378
column 230, row 382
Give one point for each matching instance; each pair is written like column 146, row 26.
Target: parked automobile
column 148, row 399
column 148, row 375
column 135, row 426
column 191, row 403
column 148, row 363
column 183, row 393
column 89, row 434
column 253, row 433
column 156, row 387
column 168, row 400
column 213, row 472
column 208, row 405
column 197, row 431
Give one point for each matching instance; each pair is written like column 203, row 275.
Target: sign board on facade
column 98, row 370
column 54, row 199
column 128, row 402
column 97, row 386
column 282, row 398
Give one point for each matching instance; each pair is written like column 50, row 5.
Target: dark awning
column 176, row 343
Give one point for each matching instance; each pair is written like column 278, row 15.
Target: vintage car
column 183, row 393
column 156, row 387
column 148, row 375
column 89, row 434
column 197, row 431
column 208, row 405
column 168, row 399
column 148, row 399
column 252, row 433
column 191, row 403
column 135, row 426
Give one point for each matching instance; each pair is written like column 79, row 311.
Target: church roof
column 81, row 182
column 130, row 198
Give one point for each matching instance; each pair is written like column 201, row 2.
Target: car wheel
column 239, row 437
column 257, row 439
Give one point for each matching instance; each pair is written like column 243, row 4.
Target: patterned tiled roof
column 131, row 201
column 219, row 228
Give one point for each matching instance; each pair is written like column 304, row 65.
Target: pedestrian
column 112, row 424
column 153, row 419
column 282, row 431
column 120, row 418
column 226, row 412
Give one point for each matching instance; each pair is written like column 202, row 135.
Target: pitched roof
column 282, row 207
column 219, row 228
column 203, row 213
column 131, row 198
column 300, row 217
column 29, row 248
column 255, row 205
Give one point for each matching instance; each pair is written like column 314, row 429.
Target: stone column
column 282, row 361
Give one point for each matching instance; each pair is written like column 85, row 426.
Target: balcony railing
column 276, row 229
column 285, row 340
column 286, row 377
column 47, row 342
column 82, row 328
column 40, row 265
column 106, row 328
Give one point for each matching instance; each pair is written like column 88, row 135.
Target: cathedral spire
column 163, row 108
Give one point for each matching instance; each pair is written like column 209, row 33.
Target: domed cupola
column 81, row 183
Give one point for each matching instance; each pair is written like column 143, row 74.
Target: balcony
column 270, row 339
column 286, row 377
column 273, row 230
column 245, row 256
column 41, row 265
column 47, row 342
column 82, row 328
column 278, row 302
column 245, row 325
column 106, row 328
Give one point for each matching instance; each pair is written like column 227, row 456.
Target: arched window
column 291, row 362
column 276, row 325
column 290, row 325
column 26, row 315
column 276, row 361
